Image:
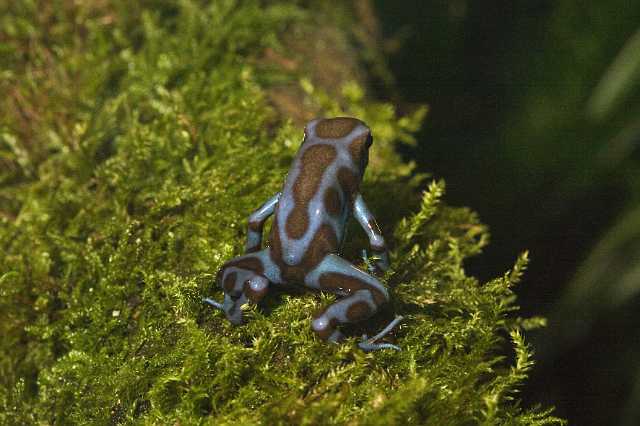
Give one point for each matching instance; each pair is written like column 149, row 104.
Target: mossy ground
column 136, row 138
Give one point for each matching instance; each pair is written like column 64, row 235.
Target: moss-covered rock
column 135, row 140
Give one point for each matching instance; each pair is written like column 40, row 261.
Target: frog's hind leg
column 363, row 296
column 244, row 278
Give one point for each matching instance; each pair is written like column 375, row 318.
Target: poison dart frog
column 320, row 193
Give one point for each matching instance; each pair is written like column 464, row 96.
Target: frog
column 321, row 192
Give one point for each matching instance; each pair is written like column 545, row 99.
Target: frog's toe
column 213, row 303
column 230, row 306
column 368, row 345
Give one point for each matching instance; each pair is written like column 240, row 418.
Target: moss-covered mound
column 135, row 139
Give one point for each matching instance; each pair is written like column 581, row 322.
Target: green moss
column 128, row 184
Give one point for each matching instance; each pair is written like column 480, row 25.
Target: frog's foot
column 242, row 281
column 230, row 307
column 368, row 344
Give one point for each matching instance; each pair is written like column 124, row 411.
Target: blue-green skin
column 320, row 192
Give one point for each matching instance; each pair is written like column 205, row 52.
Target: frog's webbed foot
column 230, row 306
column 368, row 344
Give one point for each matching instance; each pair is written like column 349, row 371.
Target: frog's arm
column 376, row 240
column 256, row 223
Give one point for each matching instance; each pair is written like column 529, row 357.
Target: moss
column 126, row 184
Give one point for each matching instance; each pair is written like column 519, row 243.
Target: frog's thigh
column 364, row 294
column 249, row 274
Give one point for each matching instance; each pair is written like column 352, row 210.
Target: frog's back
column 316, row 198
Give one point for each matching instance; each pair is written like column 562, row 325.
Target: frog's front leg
column 243, row 279
column 362, row 295
column 370, row 226
column 256, row 223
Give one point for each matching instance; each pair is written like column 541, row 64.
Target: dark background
column 530, row 127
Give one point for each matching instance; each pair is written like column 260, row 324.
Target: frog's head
column 349, row 132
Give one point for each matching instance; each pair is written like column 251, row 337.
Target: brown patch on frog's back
column 338, row 283
column 358, row 311
column 335, row 128
column 332, row 201
column 356, row 148
column 349, row 182
column 297, row 223
column 313, row 163
column 324, row 242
